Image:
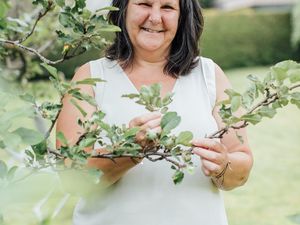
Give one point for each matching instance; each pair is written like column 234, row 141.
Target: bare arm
column 215, row 155
column 67, row 124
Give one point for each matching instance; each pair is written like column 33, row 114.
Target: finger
column 211, row 144
column 212, row 168
column 205, row 171
column 140, row 120
column 151, row 124
column 213, row 156
column 156, row 130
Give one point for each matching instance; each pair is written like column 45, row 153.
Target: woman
column 159, row 44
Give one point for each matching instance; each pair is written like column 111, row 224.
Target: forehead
column 162, row 2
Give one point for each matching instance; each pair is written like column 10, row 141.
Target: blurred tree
column 207, row 3
column 295, row 38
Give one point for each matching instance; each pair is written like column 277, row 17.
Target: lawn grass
column 273, row 191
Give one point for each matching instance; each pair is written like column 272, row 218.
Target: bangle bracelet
column 218, row 180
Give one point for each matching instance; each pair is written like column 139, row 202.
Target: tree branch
column 40, row 16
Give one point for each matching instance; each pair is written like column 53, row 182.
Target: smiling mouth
column 152, row 31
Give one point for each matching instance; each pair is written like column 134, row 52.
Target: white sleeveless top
column 146, row 194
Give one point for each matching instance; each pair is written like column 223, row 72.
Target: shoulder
column 220, row 79
column 222, row 82
column 84, row 71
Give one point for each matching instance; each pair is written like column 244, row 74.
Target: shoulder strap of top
column 208, row 69
column 97, row 71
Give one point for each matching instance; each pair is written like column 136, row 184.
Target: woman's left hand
column 213, row 154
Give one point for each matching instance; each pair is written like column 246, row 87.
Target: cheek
column 136, row 18
column 171, row 21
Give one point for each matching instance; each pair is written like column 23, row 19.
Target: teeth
column 151, row 31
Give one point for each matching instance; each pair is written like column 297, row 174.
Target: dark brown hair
column 184, row 48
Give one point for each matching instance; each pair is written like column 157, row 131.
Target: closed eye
column 167, row 7
column 145, row 4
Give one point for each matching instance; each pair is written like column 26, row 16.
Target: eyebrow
column 170, row 3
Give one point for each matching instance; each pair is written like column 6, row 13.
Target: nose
column 155, row 16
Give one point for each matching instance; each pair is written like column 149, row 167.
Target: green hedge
column 246, row 38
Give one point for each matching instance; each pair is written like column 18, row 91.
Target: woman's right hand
column 149, row 122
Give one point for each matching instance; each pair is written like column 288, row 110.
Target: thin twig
column 40, row 16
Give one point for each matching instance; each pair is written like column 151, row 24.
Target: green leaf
column 80, row 4
column 131, row 132
column 266, row 111
column 110, row 28
column 66, row 19
column 3, row 169
column 61, row 137
column 231, row 93
column 28, row 98
column 4, row 127
column 2, row 145
column 235, row 103
column 90, row 81
column 60, row 3
column 286, row 65
column 169, row 121
column 156, row 88
column 268, row 78
column 52, row 70
column 151, row 135
column 296, row 102
column 247, row 100
column 82, row 96
column 178, row 177
column 11, row 172
column 29, row 136
column 279, row 74
column 3, row 9
column 109, row 8
column 44, row 3
column 40, row 149
column 252, row 118
column 23, row 112
column 294, row 75
column 87, row 142
column 184, row 138
column 296, row 96
column 11, row 140
column 131, row 96
column 167, row 99
column 253, row 78
column 81, row 110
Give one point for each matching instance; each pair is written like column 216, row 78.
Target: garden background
column 242, row 41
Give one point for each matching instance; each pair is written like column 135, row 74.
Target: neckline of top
column 134, row 87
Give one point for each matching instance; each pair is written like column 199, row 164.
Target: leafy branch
column 260, row 100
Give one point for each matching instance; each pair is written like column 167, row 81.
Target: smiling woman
column 159, row 44
column 154, row 32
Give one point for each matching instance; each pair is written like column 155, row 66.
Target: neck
column 146, row 58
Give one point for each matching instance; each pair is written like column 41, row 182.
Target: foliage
column 77, row 30
column 246, row 38
column 295, row 39
column 207, row 3
column 81, row 30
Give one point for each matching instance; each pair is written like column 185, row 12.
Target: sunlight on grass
column 272, row 192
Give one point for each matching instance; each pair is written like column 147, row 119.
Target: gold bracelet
column 216, row 179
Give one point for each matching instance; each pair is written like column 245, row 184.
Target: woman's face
column 152, row 24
